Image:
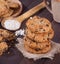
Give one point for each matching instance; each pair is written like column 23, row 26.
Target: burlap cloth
column 55, row 49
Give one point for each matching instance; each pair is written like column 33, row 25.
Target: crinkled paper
column 55, row 49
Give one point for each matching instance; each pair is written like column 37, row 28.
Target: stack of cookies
column 39, row 32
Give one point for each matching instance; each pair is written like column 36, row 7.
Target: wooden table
column 28, row 4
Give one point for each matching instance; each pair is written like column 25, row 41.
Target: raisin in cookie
column 40, row 37
column 34, row 44
column 38, row 50
column 38, row 25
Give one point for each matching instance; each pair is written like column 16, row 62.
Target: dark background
column 16, row 57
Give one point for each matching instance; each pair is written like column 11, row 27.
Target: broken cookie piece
column 3, row 47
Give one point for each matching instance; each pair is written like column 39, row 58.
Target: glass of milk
column 55, row 5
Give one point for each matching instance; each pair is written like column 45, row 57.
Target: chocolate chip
column 47, row 25
column 25, row 39
column 32, row 24
column 1, row 35
column 47, row 38
column 47, row 45
column 48, row 35
column 37, row 49
column 33, row 40
column 43, row 39
column 40, row 28
column 41, row 21
column 43, row 29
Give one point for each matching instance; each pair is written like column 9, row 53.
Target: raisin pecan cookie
column 40, row 37
column 12, row 4
column 38, row 50
column 5, row 34
column 1, row 39
column 3, row 47
column 8, row 14
column 4, row 8
column 38, row 25
column 34, row 44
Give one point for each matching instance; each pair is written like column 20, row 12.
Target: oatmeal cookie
column 1, row 39
column 7, row 34
column 3, row 47
column 51, row 33
column 40, row 37
column 34, row 44
column 8, row 14
column 38, row 50
column 38, row 25
column 3, row 7
column 12, row 4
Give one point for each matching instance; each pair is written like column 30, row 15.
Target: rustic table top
column 28, row 4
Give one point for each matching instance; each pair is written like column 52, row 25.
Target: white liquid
column 56, row 10
column 12, row 24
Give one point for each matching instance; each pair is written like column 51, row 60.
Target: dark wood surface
column 16, row 57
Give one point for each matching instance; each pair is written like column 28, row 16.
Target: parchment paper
column 55, row 49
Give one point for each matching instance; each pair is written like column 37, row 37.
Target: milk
column 56, row 10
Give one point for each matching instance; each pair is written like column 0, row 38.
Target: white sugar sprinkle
column 12, row 24
column 20, row 32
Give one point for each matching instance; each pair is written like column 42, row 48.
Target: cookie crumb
column 31, row 18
